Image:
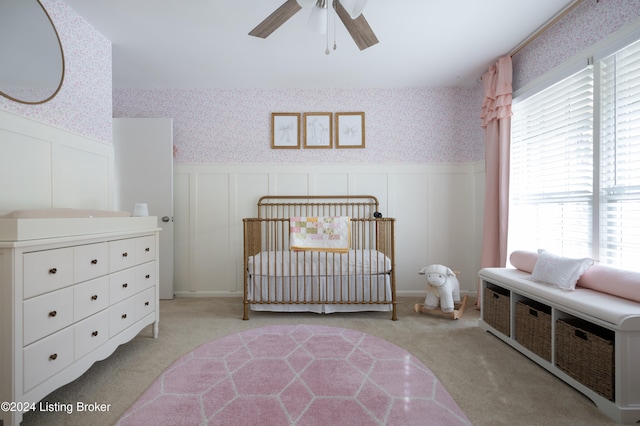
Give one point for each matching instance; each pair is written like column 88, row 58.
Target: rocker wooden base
column 458, row 310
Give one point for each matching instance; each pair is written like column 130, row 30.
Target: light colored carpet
column 296, row 375
column 492, row 383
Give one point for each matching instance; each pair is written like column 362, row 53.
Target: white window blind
column 551, row 189
column 620, row 158
column 575, row 186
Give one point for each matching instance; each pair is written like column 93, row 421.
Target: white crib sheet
column 284, row 263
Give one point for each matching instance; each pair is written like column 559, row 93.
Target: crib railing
column 285, row 206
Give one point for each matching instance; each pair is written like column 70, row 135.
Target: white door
column 144, row 174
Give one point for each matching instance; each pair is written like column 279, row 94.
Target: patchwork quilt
column 320, row 233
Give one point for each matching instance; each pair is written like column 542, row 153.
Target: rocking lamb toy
column 443, row 289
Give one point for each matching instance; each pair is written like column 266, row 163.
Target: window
column 575, row 164
column 620, row 158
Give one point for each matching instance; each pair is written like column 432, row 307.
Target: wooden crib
column 277, row 278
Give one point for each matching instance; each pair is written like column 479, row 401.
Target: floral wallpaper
column 234, row 125
column 83, row 104
column 587, row 24
column 402, row 125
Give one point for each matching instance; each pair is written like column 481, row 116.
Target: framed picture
column 350, row 130
column 285, row 130
column 318, row 130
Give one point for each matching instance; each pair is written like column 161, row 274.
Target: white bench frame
column 622, row 316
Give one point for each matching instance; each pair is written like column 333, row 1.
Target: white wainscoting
column 42, row 166
column 438, row 208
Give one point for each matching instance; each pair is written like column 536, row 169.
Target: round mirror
column 32, row 65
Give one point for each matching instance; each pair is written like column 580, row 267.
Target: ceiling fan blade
column 359, row 28
column 276, row 19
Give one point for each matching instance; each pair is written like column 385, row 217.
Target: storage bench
column 589, row 339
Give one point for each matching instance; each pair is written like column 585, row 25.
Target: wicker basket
column 586, row 352
column 495, row 308
column 533, row 327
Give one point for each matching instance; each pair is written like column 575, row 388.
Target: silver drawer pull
column 146, row 303
column 53, row 270
column 94, row 297
column 125, row 285
column 124, row 316
column 94, row 334
column 53, row 313
column 53, row 357
column 125, row 254
column 94, row 262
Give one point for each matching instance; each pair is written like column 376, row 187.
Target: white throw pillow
column 561, row 272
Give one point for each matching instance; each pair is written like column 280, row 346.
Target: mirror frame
column 55, row 31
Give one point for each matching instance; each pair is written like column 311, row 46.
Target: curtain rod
column 545, row 26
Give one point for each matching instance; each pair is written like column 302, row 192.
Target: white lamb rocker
column 443, row 290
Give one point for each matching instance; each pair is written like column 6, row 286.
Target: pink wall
column 587, row 24
column 83, row 104
column 234, row 125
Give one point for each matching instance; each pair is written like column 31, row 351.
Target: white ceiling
column 205, row 43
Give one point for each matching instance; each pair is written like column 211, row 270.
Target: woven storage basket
column 533, row 327
column 586, row 352
column 495, row 309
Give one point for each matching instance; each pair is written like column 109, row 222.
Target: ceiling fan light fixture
column 357, row 26
column 319, row 17
column 354, row 7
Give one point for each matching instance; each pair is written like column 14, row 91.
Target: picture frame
column 285, row 130
column 350, row 130
column 318, row 130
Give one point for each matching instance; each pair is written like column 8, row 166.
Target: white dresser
column 69, row 301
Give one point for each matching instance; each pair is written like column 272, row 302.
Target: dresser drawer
column 122, row 285
column 121, row 316
column 122, row 254
column 90, row 297
column 46, row 357
column 145, row 276
column 90, row 333
column 90, row 261
column 46, row 314
column 145, row 249
column 47, row 270
column 145, row 303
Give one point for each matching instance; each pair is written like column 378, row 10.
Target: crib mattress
column 286, row 263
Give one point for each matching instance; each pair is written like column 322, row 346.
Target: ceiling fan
column 349, row 12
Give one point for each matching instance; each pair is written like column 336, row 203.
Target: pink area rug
column 296, row 375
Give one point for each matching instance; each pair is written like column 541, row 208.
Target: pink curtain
column 496, row 120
